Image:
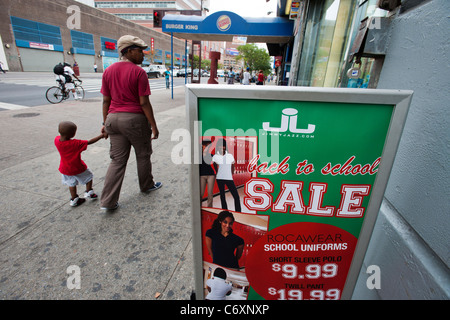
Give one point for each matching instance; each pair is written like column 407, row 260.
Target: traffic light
column 157, row 17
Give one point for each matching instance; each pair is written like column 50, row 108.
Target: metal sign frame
column 399, row 99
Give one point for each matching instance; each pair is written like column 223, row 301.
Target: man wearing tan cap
column 128, row 120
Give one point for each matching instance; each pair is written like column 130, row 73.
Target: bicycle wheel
column 54, row 95
column 80, row 91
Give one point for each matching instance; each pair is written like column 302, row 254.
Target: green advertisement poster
column 285, row 186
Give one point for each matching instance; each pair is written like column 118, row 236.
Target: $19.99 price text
column 297, row 294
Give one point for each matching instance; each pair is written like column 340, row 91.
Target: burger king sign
column 223, row 23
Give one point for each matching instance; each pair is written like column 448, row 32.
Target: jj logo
column 289, row 121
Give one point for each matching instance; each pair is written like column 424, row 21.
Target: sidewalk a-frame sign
column 286, row 186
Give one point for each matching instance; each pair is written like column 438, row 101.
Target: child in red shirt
column 73, row 169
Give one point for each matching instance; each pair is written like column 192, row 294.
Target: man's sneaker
column 155, row 187
column 77, row 201
column 112, row 208
column 90, row 195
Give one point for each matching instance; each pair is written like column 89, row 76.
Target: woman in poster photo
column 224, row 164
column 207, row 174
column 223, row 245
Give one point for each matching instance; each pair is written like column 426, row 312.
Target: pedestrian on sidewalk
column 231, row 76
column 246, row 80
column 261, row 80
column 167, row 75
column 1, row 67
column 128, row 120
column 74, row 170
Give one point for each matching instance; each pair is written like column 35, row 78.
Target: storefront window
column 370, row 67
column 326, row 36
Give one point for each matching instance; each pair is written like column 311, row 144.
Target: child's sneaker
column 76, row 202
column 90, row 195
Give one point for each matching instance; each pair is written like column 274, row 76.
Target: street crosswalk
column 89, row 85
column 38, row 86
column 11, row 106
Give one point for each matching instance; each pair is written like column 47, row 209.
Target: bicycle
column 56, row 94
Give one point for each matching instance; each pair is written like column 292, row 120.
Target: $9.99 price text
column 312, row 271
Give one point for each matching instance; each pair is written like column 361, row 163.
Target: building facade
column 141, row 12
column 49, row 32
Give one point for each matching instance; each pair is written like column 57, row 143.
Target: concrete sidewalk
column 140, row 251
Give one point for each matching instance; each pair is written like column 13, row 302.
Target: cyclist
column 67, row 81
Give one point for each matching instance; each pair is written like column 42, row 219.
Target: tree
column 255, row 58
column 206, row 64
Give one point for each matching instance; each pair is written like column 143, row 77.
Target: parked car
column 201, row 71
column 182, row 72
column 159, row 68
column 220, row 73
column 151, row 73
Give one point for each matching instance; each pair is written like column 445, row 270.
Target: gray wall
column 38, row 60
column 411, row 242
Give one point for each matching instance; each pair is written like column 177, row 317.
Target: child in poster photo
column 223, row 245
column 217, row 286
column 224, row 165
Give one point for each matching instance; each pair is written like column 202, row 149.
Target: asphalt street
column 27, row 89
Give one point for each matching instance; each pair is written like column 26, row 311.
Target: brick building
column 37, row 34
